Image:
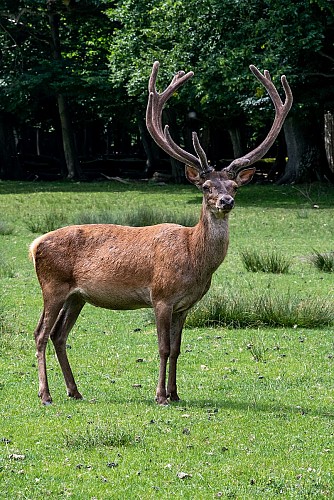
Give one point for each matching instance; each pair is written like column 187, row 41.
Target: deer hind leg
column 178, row 320
column 163, row 315
column 62, row 327
column 42, row 333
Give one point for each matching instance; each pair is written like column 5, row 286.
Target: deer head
column 198, row 169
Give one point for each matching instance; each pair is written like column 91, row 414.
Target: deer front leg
column 163, row 316
column 178, row 320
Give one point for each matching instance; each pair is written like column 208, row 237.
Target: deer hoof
column 46, row 399
column 161, row 400
column 174, row 397
column 74, row 394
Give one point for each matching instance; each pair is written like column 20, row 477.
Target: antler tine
column 281, row 110
column 162, row 136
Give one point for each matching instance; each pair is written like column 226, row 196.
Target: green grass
column 136, row 216
column 5, row 228
column 256, row 416
column 261, row 308
column 273, row 262
column 323, row 261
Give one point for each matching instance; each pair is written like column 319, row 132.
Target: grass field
column 256, row 416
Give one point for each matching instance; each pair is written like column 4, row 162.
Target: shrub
column 323, row 261
column 273, row 262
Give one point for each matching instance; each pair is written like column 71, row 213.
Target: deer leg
column 65, row 322
column 42, row 333
column 178, row 320
column 163, row 315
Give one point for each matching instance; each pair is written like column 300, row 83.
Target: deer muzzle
column 225, row 202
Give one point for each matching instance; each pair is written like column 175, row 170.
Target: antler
column 281, row 112
column 162, row 136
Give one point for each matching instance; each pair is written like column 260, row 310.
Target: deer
column 167, row 267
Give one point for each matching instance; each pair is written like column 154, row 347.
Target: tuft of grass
column 323, row 261
column 141, row 216
column 45, row 223
column 98, row 435
column 6, row 269
column 269, row 262
column 5, row 228
column 105, row 217
column 258, row 350
column 7, row 340
column 270, row 309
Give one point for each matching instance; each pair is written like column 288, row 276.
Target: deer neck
column 210, row 239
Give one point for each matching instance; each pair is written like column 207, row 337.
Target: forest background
column 74, row 73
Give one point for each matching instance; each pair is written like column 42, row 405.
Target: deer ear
column 193, row 176
column 245, row 176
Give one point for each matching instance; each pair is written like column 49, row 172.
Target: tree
column 102, row 56
column 45, row 45
column 289, row 36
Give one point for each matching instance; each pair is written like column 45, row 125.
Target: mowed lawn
column 256, row 416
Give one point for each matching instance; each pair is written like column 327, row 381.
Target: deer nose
column 226, row 201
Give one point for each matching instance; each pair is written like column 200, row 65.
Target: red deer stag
column 167, row 267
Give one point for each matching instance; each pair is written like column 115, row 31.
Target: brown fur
column 167, row 267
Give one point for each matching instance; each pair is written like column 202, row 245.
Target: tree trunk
column 178, row 175
column 303, row 151
column 71, row 157
column 278, row 167
column 329, row 139
column 9, row 165
column 149, row 146
column 235, row 136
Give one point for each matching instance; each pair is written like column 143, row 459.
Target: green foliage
column 323, row 261
column 267, row 262
column 139, row 216
column 108, row 47
column 30, row 75
column 47, row 222
column 283, row 37
column 5, row 228
column 6, row 268
column 108, row 434
column 240, row 310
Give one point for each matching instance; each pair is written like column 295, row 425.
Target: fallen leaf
column 15, row 456
column 183, row 475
